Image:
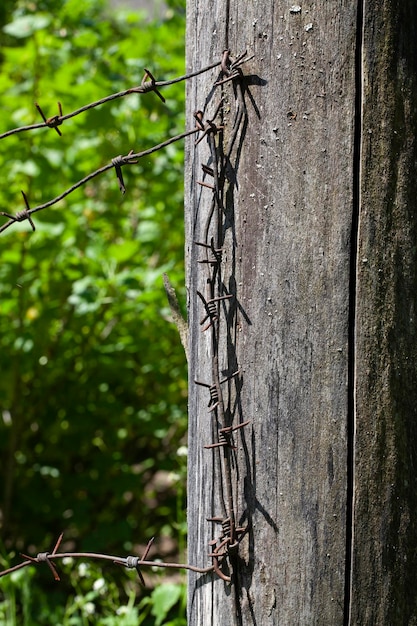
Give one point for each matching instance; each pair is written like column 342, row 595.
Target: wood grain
column 320, row 250
column 385, row 530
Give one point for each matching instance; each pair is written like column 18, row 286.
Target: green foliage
column 93, row 376
column 164, row 598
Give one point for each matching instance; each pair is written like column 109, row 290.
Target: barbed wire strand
column 227, row 543
column 130, row 158
column 130, row 562
column 145, row 87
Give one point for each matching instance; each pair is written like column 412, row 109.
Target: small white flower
column 99, row 585
column 122, row 610
column 89, row 608
column 83, row 569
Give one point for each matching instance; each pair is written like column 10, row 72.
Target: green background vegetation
column 93, row 376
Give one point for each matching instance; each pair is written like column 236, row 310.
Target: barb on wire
column 54, row 121
column 132, row 562
column 150, row 85
column 209, row 127
column 118, row 162
column 45, row 557
column 211, row 308
column 20, row 215
column 224, row 440
column 225, row 436
column 217, row 252
column 231, row 69
column 214, row 395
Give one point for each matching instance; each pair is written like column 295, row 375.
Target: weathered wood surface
column 385, row 510
column 296, row 336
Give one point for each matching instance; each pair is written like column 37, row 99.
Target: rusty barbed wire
column 116, row 163
column 129, row 562
column 226, row 544
column 146, row 86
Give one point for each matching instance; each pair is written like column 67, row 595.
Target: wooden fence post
column 319, row 248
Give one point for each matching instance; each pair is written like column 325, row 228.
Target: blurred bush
column 93, row 376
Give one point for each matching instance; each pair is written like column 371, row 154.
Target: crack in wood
column 351, row 417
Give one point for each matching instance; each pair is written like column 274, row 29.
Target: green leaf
column 27, row 25
column 164, row 598
column 123, row 251
column 28, row 167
